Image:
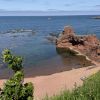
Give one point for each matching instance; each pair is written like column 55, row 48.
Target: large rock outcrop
column 87, row 45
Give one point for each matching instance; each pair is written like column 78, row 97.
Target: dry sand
column 53, row 84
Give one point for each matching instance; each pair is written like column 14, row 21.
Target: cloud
column 52, row 10
column 20, row 0
column 8, row 0
column 97, row 5
column 2, row 10
column 67, row 5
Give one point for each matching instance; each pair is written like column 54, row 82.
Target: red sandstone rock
column 68, row 30
column 86, row 44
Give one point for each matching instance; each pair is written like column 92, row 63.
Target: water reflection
column 78, row 60
column 64, row 61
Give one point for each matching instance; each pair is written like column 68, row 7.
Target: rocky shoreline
column 76, row 45
column 97, row 17
column 86, row 45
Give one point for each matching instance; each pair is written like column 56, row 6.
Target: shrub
column 14, row 89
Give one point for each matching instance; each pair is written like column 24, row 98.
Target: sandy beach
column 53, row 84
column 55, row 45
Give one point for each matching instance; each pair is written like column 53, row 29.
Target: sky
column 49, row 7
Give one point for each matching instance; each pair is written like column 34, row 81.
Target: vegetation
column 89, row 91
column 14, row 89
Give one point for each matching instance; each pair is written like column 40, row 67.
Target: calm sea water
column 33, row 46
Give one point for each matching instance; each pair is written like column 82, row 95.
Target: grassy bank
column 90, row 90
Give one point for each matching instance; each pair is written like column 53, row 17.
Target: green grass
column 90, row 90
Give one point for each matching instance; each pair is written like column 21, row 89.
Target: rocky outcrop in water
column 96, row 17
column 87, row 45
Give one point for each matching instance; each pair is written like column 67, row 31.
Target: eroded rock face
column 68, row 30
column 88, row 45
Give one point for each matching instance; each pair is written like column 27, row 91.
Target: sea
column 26, row 36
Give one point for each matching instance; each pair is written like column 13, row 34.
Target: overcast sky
column 49, row 6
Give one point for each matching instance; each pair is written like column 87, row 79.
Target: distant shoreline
column 96, row 17
column 48, row 15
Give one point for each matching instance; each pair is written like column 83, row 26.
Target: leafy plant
column 14, row 89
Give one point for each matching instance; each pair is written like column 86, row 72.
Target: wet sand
column 53, row 84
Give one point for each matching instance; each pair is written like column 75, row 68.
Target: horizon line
column 47, row 13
